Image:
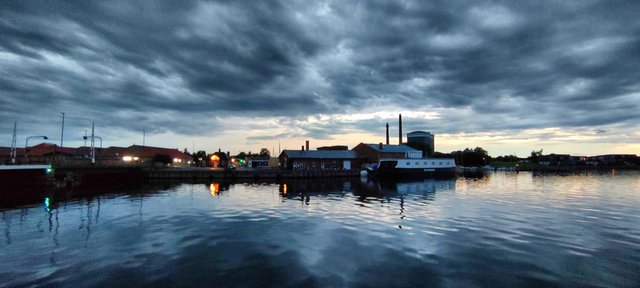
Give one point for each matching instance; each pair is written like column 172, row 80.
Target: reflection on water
column 499, row 230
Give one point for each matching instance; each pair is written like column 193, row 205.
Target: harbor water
column 502, row 229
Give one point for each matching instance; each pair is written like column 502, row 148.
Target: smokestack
column 387, row 133
column 302, row 148
column 307, row 144
column 400, row 129
column 381, row 147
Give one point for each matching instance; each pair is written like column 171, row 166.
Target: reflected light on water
column 507, row 229
column 214, row 189
column 47, row 203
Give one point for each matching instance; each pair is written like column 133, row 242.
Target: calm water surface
column 503, row 230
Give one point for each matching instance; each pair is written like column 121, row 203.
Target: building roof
column 392, row 148
column 44, row 149
column 320, row 154
column 418, row 133
column 149, row 151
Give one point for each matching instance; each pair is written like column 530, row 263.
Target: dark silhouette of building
column 422, row 140
column 319, row 160
column 372, row 153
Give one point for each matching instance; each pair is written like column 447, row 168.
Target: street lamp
column 62, row 132
column 100, row 138
column 26, row 143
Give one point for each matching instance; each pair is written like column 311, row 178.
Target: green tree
column 264, row 153
column 200, row 157
column 535, row 156
column 241, row 155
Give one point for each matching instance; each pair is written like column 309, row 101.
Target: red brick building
column 372, row 153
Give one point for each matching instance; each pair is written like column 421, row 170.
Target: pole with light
column 62, row 132
column 93, row 147
column 98, row 137
column 26, row 143
column 13, row 144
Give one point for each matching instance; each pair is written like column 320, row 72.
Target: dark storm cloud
column 504, row 64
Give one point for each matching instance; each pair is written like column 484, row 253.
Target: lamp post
column 62, row 132
column 13, row 144
column 98, row 137
column 26, row 143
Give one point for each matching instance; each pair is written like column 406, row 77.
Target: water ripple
column 506, row 230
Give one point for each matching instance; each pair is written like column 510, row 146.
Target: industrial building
column 424, row 140
column 372, row 153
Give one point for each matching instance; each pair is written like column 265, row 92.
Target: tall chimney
column 307, row 144
column 302, row 148
column 400, row 129
column 387, row 133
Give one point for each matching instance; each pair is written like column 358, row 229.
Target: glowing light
column 215, row 158
column 176, row 160
column 214, row 189
column 47, row 203
column 135, row 158
column 127, row 158
column 284, row 189
column 49, row 170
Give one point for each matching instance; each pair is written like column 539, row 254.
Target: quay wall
column 246, row 174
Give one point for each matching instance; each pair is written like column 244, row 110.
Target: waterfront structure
column 423, row 139
column 220, row 159
column 149, row 153
column 372, row 153
column 407, row 167
column 256, row 160
column 45, row 153
column 319, row 160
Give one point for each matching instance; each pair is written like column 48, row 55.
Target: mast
column 400, row 130
column 93, row 147
column 13, row 144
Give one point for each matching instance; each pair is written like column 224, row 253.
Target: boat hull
column 413, row 173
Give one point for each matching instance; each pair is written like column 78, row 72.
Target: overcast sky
column 510, row 76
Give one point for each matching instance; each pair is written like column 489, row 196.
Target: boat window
column 433, row 163
column 417, row 163
column 408, row 163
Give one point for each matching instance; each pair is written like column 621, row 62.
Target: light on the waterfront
column 215, row 158
column 127, row 158
column 176, row 160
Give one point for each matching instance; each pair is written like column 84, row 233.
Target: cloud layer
column 175, row 67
